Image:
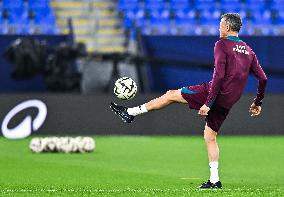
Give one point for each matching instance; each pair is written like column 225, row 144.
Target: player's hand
column 203, row 111
column 254, row 110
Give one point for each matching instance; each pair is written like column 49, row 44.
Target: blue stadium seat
column 231, row 1
column 142, row 22
column 205, row 4
column 277, row 1
column 187, row 13
column 280, row 17
column 209, row 17
column 187, row 18
column 250, row 2
column 186, row 21
column 127, row 6
column 128, row 1
column 38, row 3
column 14, row 15
column 260, row 17
column 229, row 7
column 44, row 16
column 131, row 14
column 12, row 4
column 205, row 1
column 154, row 4
column 258, row 4
column 1, row 20
column 159, row 21
column 128, row 23
column 160, row 13
column 154, row 1
column 143, row 14
column 277, row 4
column 179, row 4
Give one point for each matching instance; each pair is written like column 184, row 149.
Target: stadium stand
column 200, row 17
column 104, row 25
column 95, row 22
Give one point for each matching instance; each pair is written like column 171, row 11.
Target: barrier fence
column 74, row 114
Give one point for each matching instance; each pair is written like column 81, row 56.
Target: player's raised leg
column 171, row 96
column 127, row 114
column 213, row 157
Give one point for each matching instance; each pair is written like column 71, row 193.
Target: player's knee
column 209, row 137
column 172, row 95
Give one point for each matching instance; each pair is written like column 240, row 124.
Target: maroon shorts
column 196, row 97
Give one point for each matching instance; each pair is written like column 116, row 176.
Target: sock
column 214, row 175
column 134, row 111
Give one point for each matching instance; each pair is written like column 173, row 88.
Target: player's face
column 224, row 28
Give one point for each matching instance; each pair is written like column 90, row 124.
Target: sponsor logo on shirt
column 241, row 49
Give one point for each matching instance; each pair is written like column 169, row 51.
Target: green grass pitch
column 145, row 166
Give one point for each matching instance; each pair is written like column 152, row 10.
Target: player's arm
column 218, row 75
column 256, row 69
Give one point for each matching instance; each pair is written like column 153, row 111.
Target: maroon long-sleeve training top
column 233, row 61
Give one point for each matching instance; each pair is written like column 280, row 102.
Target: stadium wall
column 74, row 114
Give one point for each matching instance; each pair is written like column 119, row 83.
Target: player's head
column 230, row 24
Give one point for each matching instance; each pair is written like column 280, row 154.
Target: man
column 233, row 60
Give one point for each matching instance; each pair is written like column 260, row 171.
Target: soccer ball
column 36, row 145
column 66, row 146
column 89, row 144
column 51, row 145
column 125, row 88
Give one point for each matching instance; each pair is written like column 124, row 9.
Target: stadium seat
column 277, row 4
column 128, row 23
column 12, row 4
column 259, row 17
column 258, row 4
column 209, row 16
column 187, row 13
column 154, row 6
column 38, row 4
column 205, row 4
column 124, row 6
column 14, row 16
column 43, row 14
column 278, row 1
column 131, row 14
column 229, row 7
column 179, row 4
column 280, row 18
column 185, row 21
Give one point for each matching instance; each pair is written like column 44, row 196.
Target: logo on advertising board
column 28, row 125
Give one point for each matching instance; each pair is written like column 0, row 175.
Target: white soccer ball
column 89, row 144
column 125, row 88
column 79, row 144
column 51, row 145
column 36, row 145
column 66, row 146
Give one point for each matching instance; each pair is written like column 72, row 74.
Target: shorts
column 196, row 97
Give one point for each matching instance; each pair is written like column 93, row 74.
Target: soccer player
column 233, row 61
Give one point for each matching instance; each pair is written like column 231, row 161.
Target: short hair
column 234, row 21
